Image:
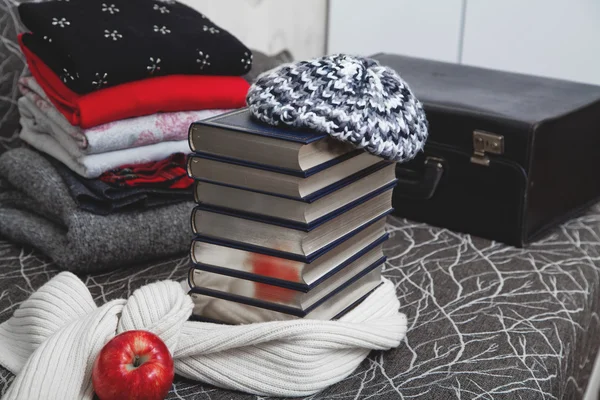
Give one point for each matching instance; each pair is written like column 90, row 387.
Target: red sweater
column 162, row 94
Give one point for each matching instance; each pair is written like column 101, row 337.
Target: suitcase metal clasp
column 485, row 142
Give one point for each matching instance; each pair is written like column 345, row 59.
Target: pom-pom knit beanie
column 353, row 99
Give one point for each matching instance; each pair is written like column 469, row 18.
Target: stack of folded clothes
column 37, row 209
column 114, row 88
column 118, row 84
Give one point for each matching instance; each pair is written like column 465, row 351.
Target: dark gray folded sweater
column 36, row 209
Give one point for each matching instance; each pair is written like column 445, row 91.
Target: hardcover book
column 292, row 210
column 289, row 224
column 283, row 272
column 272, row 296
column 217, row 306
column 238, row 136
column 209, row 168
column 289, row 241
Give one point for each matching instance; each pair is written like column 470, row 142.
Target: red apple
column 133, row 365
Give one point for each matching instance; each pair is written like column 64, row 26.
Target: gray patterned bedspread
column 486, row 321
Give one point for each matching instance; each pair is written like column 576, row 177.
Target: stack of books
column 289, row 224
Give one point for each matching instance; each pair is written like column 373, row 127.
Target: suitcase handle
column 420, row 186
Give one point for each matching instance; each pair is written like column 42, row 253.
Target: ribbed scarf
column 52, row 339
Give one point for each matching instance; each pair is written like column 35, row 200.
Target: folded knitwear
column 117, row 135
column 135, row 99
column 94, row 165
column 262, row 63
column 101, row 198
column 170, row 173
column 40, row 212
column 128, row 40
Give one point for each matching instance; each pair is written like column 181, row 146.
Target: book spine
column 191, row 136
column 190, row 279
column 196, row 198
column 286, row 223
column 264, row 167
column 189, row 167
column 284, row 308
column 193, row 221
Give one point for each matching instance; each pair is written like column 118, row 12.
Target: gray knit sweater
column 37, row 210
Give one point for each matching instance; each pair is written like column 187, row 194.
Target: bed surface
column 486, row 321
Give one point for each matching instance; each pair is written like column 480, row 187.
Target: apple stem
column 136, row 361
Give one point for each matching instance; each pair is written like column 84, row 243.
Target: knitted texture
column 93, row 165
column 35, row 106
column 53, row 338
column 37, row 209
column 353, row 99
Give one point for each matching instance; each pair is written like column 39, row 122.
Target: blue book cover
column 301, row 287
column 345, row 311
column 285, row 171
column 282, row 308
column 243, row 121
column 290, row 256
column 319, row 193
column 295, row 224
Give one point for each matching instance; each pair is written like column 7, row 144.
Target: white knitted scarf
column 51, row 341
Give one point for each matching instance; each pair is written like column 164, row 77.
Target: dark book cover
column 285, row 171
column 243, row 121
column 301, row 287
column 294, row 224
column 319, row 193
column 282, row 308
column 291, row 256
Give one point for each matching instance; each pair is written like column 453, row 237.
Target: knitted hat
column 353, row 99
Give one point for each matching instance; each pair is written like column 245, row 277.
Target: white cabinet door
column 422, row 28
column 554, row 38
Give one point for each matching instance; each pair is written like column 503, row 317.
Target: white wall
column 554, row 38
column 271, row 25
column 423, row 28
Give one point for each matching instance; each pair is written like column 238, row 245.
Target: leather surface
column 484, row 201
column 548, row 171
column 565, row 169
column 517, row 97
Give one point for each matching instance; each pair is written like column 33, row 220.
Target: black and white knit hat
column 353, row 99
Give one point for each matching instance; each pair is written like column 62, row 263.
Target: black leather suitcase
column 508, row 157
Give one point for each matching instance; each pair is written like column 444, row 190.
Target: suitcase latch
column 485, row 142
